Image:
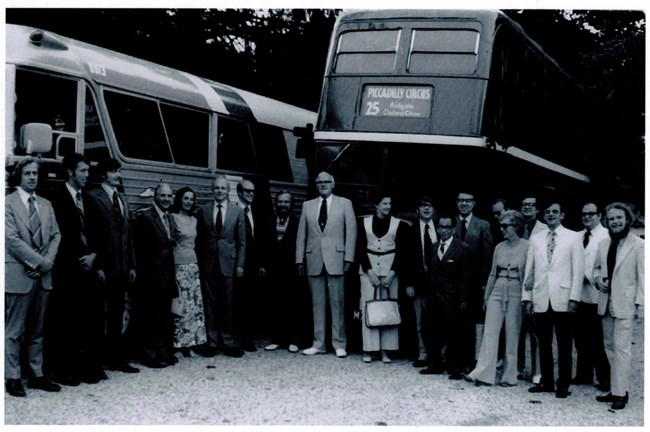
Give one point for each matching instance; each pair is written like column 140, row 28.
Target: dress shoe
column 603, row 387
column 562, row 393
column 153, row 363
column 341, row 353
column 611, row 398
column 312, row 351
column 432, row 371
column 367, row 358
column 506, row 384
column 478, row 383
column 185, row 352
column 419, row 363
column 582, row 381
column 271, row 347
column 206, row 351
column 15, row 388
column 455, row 375
column 293, row 348
column 44, row 384
column 541, row 389
column 233, row 352
column 88, row 377
column 169, row 359
column 66, row 380
column 620, row 402
column 122, row 367
column 249, row 347
column 99, row 373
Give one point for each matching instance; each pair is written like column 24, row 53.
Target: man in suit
column 420, row 240
column 555, row 268
column 446, row 299
column 154, row 230
column 109, row 230
column 326, row 240
column 478, row 236
column 221, row 251
column 31, row 243
column 74, row 327
column 619, row 275
column 247, row 294
column 588, row 331
column 287, row 293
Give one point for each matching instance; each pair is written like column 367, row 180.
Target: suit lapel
column 158, row 222
column 19, row 208
column 45, row 221
column 626, row 248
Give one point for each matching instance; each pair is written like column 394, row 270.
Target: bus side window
column 138, row 127
column 189, row 135
column 234, row 146
column 43, row 98
column 271, row 150
column 95, row 147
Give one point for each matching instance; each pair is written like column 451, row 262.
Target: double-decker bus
column 162, row 124
column 439, row 101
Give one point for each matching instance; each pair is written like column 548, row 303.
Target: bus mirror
column 35, row 138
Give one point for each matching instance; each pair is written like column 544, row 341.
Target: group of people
column 189, row 276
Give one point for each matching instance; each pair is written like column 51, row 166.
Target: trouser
column 528, row 329
column 588, row 336
column 544, row 324
column 114, row 292
column 439, row 327
column 375, row 339
column 326, row 287
column 218, row 302
column 418, row 309
column 617, row 333
column 290, row 315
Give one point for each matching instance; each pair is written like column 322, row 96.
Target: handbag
column 382, row 312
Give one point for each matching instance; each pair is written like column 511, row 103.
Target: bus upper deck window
column 372, row 51
column 443, row 51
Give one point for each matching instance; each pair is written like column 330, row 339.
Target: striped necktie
column 550, row 245
column 82, row 224
column 35, row 224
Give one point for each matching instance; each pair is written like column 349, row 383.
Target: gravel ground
column 280, row 388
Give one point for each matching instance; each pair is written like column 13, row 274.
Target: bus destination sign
column 396, row 101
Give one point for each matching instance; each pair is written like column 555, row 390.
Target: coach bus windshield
column 352, row 163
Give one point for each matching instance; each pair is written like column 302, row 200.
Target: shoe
column 432, row 371
column 169, row 359
column 609, row 397
column 153, row 363
column 122, row 367
column 249, row 347
column 541, row 389
column 44, row 384
column 15, row 388
column 66, row 380
column 603, row 387
column 419, row 363
column 99, row 373
column 88, row 377
column 367, row 358
column 524, row 376
column 385, row 358
column 536, row 379
column 506, row 384
column 456, row 375
column 582, row 381
column 340, row 353
column 468, row 378
column 205, row 351
column 311, row 351
column 620, row 402
column 562, row 393
column 185, row 352
column 293, row 348
column 271, row 347
column 233, row 352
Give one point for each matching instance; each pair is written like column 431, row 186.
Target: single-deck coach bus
column 65, row 96
column 438, row 101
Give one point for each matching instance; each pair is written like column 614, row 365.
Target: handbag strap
column 388, row 298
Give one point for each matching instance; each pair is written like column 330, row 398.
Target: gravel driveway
column 280, row 388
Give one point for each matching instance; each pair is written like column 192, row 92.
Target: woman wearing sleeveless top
column 190, row 325
column 503, row 304
column 379, row 242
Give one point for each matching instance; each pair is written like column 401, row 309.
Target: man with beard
column 619, row 275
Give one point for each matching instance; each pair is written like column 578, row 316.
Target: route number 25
column 373, row 108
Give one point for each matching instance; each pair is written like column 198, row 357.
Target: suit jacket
column 331, row 247
column 561, row 280
column 71, row 247
column 479, row 240
column 415, row 274
column 20, row 256
column 228, row 247
column 627, row 279
column 155, row 254
column 255, row 240
column 113, row 242
column 590, row 293
column 449, row 277
column 281, row 254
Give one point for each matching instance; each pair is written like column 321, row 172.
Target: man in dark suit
column 326, row 241
column 478, row 236
column 74, row 326
column 446, row 300
column 287, row 293
column 221, row 251
column 420, row 240
column 154, row 231
column 31, row 243
column 109, row 230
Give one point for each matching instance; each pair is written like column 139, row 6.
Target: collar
column 110, row 190
column 160, row 211
column 447, row 242
column 328, row 200
column 429, row 223
column 72, row 191
column 24, row 196
column 468, row 218
column 224, row 205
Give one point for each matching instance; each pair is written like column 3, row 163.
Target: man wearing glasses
column 588, row 333
column 552, row 287
column 327, row 235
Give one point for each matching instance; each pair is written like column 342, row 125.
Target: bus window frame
column 215, row 140
column 411, row 51
column 396, row 51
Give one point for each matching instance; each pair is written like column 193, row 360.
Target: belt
column 508, row 277
column 381, row 253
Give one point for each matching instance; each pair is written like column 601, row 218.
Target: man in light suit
column 588, row 333
column 326, row 239
column 31, row 243
column 221, row 251
column 552, row 287
column 109, row 230
column 478, row 236
column 619, row 275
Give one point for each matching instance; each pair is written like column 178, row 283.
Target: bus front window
column 360, row 164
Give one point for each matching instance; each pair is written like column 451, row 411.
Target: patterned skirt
column 190, row 327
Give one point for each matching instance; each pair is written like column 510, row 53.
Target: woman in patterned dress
column 190, row 324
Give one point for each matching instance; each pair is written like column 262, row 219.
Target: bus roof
column 41, row 49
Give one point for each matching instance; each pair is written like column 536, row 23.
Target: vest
column 381, row 251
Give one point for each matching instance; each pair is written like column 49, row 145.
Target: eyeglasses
column 589, row 214
column 445, row 227
column 426, row 204
column 504, row 225
column 552, row 211
column 465, row 200
column 249, row 190
column 322, row 182
column 528, row 204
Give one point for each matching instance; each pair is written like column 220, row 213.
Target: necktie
column 611, row 260
column 550, row 245
column 442, row 250
column 281, row 228
column 585, row 240
column 218, row 223
column 463, row 229
column 82, row 224
column 168, row 225
column 35, row 223
column 119, row 217
column 428, row 247
column 249, row 225
column 322, row 217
